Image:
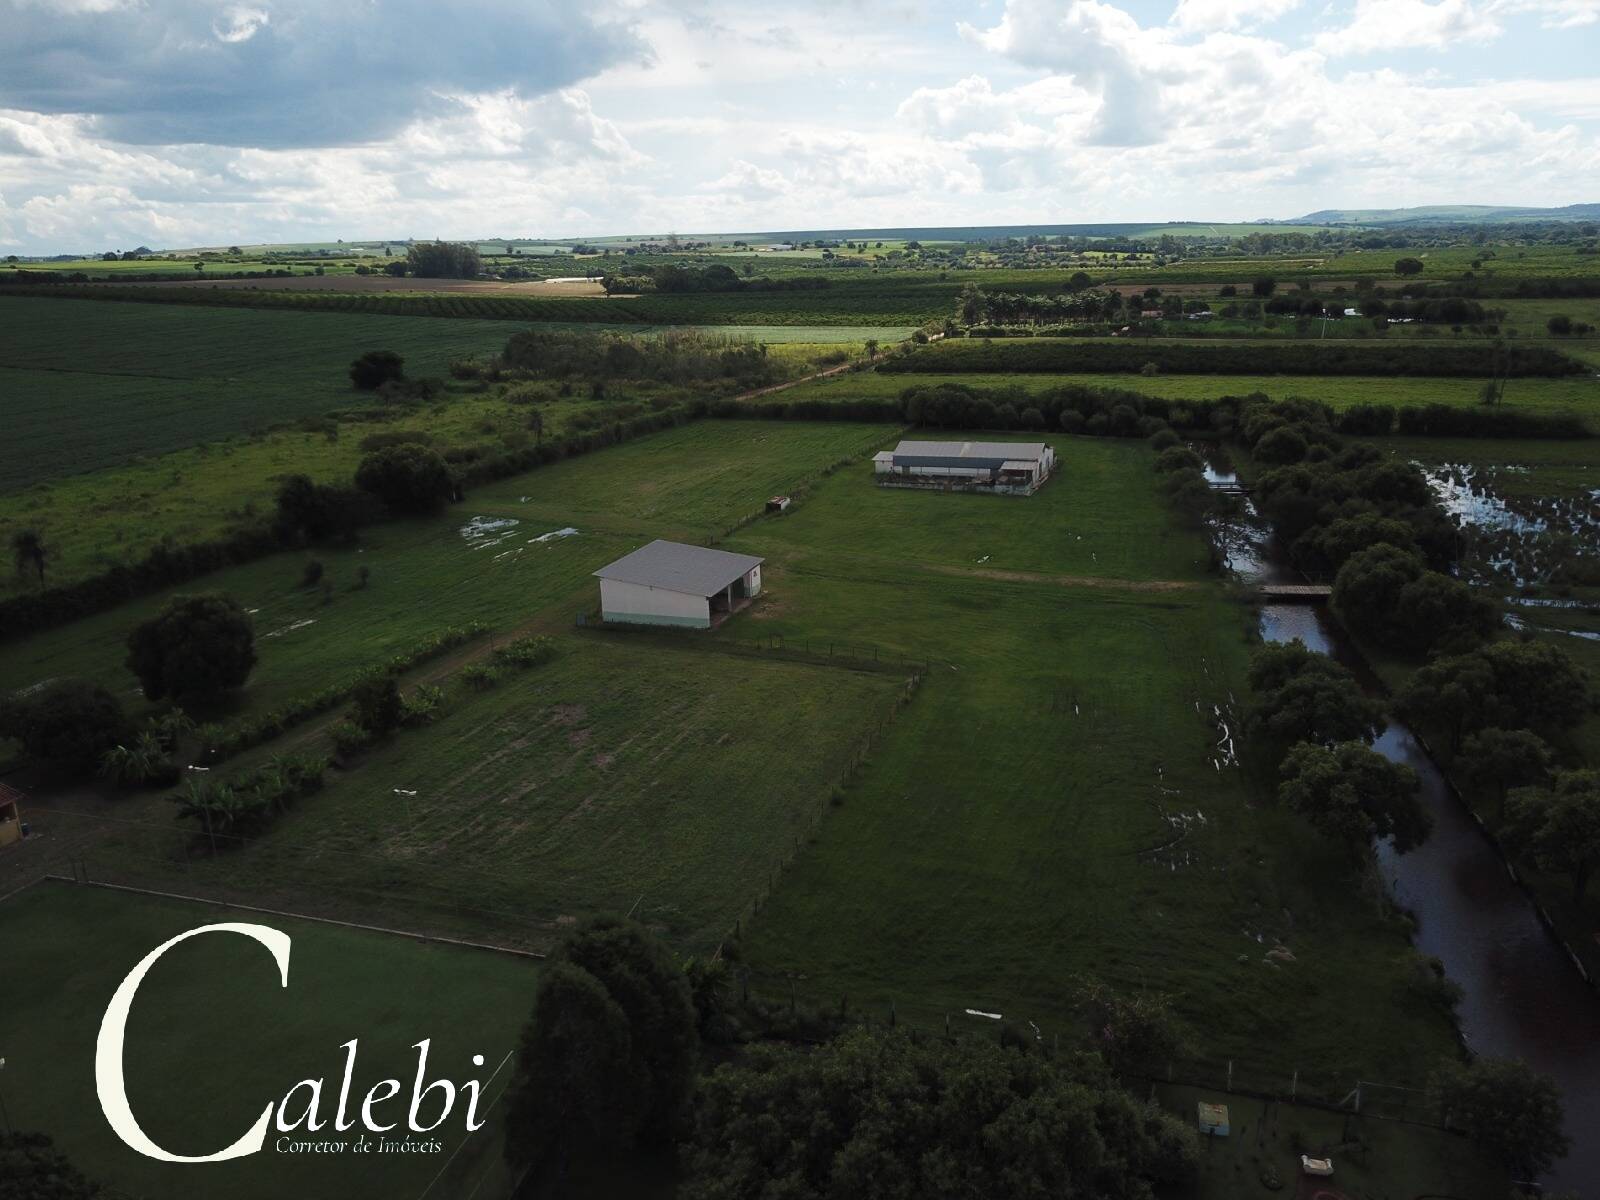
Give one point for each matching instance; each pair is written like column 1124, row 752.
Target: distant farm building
column 10, row 815
column 1014, row 468
column 669, row 583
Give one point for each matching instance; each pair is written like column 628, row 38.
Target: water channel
column 1522, row 995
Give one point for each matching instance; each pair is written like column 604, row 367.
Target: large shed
column 1013, row 467
column 670, row 583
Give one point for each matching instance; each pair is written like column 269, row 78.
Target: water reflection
column 1521, row 996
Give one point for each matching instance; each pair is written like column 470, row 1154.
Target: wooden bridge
column 1295, row 593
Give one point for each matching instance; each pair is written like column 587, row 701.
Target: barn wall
column 637, row 604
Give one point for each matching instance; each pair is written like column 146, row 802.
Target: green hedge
column 1029, row 356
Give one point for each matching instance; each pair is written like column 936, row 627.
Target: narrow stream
column 1522, row 998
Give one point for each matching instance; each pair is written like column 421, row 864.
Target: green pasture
column 426, row 575
column 117, row 514
column 1578, row 394
column 213, row 1038
column 1032, row 816
column 634, row 773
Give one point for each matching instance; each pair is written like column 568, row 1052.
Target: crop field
column 213, row 1038
column 1486, row 263
column 897, row 302
column 139, row 379
column 1051, row 802
column 1577, row 394
column 478, row 562
column 630, row 773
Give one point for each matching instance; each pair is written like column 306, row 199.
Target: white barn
column 670, row 583
column 1015, row 468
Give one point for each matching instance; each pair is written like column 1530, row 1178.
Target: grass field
column 1578, row 394
column 630, row 774
column 145, row 378
column 1032, row 816
column 213, row 1039
column 689, row 483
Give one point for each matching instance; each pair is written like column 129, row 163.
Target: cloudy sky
column 177, row 123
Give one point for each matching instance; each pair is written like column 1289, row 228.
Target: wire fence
column 858, row 759
column 819, row 651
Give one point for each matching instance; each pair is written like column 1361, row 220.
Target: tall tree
column 576, row 1092
column 1560, row 826
column 888, row 1116
column 69, row 724
column 1508, row 1108
column 639, row 973
column 1136, row 1034
column 29, row 552
column 408, row 478
column 1366, row 591
column 196, row 649
column 31, row 1168
column 1354, row 795
column 1498, row 760
column 1510, row 684
column 1302, row 696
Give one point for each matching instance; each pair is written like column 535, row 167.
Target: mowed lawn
column 90, row 383
column 213, row 1038
column 632, row 773
column 476, row 562
column 1052, row 803
column 1579, row 394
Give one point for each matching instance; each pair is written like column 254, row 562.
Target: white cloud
column 1100, row 47
column 1052, row 110
column 1208, row 16
column 239, row 24
column 1382, row 25
column 1554, row 14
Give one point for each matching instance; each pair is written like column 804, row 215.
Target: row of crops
column 843, row 306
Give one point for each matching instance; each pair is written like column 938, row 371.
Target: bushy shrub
column 376, row 368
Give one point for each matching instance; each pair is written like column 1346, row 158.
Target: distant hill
column 1446, row 214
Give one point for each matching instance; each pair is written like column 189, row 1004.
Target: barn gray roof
column 1031, row 451
column 695, row 570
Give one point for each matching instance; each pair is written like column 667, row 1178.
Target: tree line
column 1254, row 358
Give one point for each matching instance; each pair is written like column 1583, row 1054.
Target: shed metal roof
column 984, row 450
column 693, row 570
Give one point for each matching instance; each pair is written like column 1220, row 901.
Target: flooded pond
column 1510, row 538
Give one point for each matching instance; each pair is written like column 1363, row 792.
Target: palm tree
column 29, row 551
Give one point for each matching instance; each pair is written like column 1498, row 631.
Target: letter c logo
column 108, row 1077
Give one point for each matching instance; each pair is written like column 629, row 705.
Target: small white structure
column 1013, row 468
column 670, row 583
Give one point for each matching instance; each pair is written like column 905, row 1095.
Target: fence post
column 1230, row 1074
